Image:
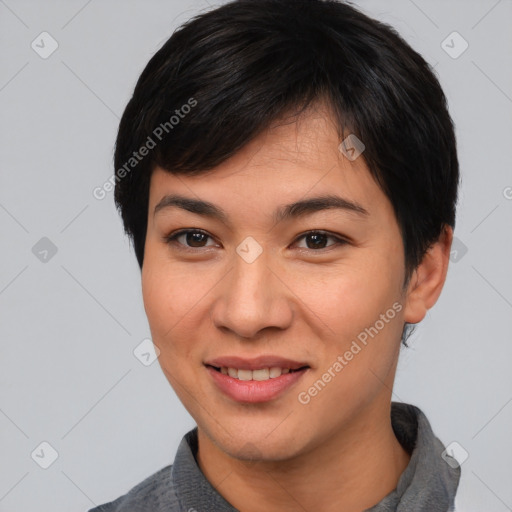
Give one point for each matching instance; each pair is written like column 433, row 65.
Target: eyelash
column 173, row 236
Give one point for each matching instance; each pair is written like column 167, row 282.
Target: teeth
column 243, row 374
column 260, row 374
column 263, row 374
column 275, row 372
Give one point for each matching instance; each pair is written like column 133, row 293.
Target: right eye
column 194, row 237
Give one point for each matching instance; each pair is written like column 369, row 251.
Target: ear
column 428, row 278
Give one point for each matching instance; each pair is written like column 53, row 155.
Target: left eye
column 194, row 238
column 318, row 238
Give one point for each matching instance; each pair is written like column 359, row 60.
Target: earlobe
column 428, row 278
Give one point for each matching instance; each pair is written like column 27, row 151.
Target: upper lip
column 266, row 361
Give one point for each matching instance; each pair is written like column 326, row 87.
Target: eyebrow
column 286, row 212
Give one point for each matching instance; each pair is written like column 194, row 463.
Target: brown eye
column 194, row 238
column 316, row 240
column 189, row 238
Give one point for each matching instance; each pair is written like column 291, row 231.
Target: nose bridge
column 251, row 277
column 251, row 296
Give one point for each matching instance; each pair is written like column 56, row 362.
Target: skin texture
column 338, row 451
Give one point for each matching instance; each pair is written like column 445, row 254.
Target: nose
column 252, row 297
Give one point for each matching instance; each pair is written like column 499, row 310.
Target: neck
column 352, row 470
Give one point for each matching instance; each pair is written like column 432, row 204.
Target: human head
column 219, row 105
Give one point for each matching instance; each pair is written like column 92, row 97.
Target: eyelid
column 340, row 240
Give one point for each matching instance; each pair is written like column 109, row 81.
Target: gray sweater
column 428, row 484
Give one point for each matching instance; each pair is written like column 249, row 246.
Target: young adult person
column 287, row 171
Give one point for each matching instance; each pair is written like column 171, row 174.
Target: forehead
column 287, row 162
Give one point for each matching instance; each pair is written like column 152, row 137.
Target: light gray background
column 68, row 328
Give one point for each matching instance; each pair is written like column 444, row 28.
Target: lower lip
column 254, row 391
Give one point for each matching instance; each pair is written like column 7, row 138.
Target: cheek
column 351, row 296
column 173, row 295
column 159, row 295
column 360, row 346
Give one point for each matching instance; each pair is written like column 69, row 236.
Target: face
column 258, row 285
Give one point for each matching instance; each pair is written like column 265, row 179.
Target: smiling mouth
column 260, row 374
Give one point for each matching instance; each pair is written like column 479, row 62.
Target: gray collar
column 428, row 484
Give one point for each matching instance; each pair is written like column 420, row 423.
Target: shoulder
column 155, row 493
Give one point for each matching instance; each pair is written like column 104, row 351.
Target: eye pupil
column 195, row 237
column 316, row 236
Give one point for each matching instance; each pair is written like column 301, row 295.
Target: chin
column 263, row 444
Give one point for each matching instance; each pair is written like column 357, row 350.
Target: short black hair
column 227, row 74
